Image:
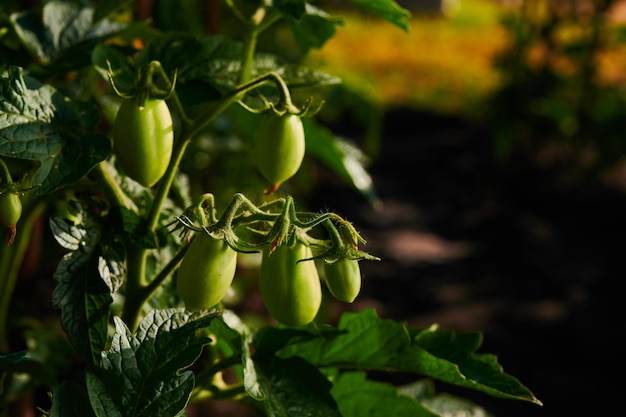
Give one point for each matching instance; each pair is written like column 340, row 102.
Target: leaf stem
column 207, row 374
column 111, row 188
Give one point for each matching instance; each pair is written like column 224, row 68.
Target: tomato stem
column 136, row 258
column 111, row 188
column 5, row 175
column 207, row 373
column 259, row 22
column 173, row 263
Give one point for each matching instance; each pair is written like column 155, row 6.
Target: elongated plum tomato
column 343, row 279
column 142, row 139
column 279, row 148
column 206, row 272
column 291, row 290
column 10, row 209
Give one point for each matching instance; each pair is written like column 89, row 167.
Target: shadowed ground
column 514, row 252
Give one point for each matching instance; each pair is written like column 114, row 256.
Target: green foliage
column 555, row 93
column 37, row 123
column 129, row 347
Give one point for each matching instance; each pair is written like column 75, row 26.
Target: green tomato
column 10, row 209
column 279, row 148
column 291, row 290
column 343, row 279
column 206, row 272
column 143, row 138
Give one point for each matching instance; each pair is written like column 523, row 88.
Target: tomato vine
column 99, row 115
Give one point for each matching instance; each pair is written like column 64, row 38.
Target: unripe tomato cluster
column 289, row 281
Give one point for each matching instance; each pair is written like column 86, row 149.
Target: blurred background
column 496, row 132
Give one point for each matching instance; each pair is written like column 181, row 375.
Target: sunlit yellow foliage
column 442, row 62
column 446, row 63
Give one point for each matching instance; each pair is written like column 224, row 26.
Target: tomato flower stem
column 209, row 372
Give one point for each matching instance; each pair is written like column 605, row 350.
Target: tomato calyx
column 152, row 83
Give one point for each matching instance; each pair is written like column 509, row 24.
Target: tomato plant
column 143, row 329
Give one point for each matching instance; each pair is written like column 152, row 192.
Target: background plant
column 128, row 346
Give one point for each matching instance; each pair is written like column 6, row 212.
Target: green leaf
column 111, row 266
column 357, row 396
column 293, row 388
column 204, row 58
column 144, row 374
column 207, row 66
column 388, row 10
column 105, row 8
column 6, row 361
column 451, row 357
column 341, row 156
column 123, row 72
column 70, row 400
column 368, row 342
column 365, row 341
column 63, row 34
column 81, row 293
column 239, row 337
column 135, row 229
column 39, row 124
column 270, row 339
column 314, row 28
column 292, row 8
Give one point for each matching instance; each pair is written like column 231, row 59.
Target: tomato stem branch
column 173, row 263
column 111, row 188
column 207, row 373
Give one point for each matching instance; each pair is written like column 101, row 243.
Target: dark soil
column 517, row 252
